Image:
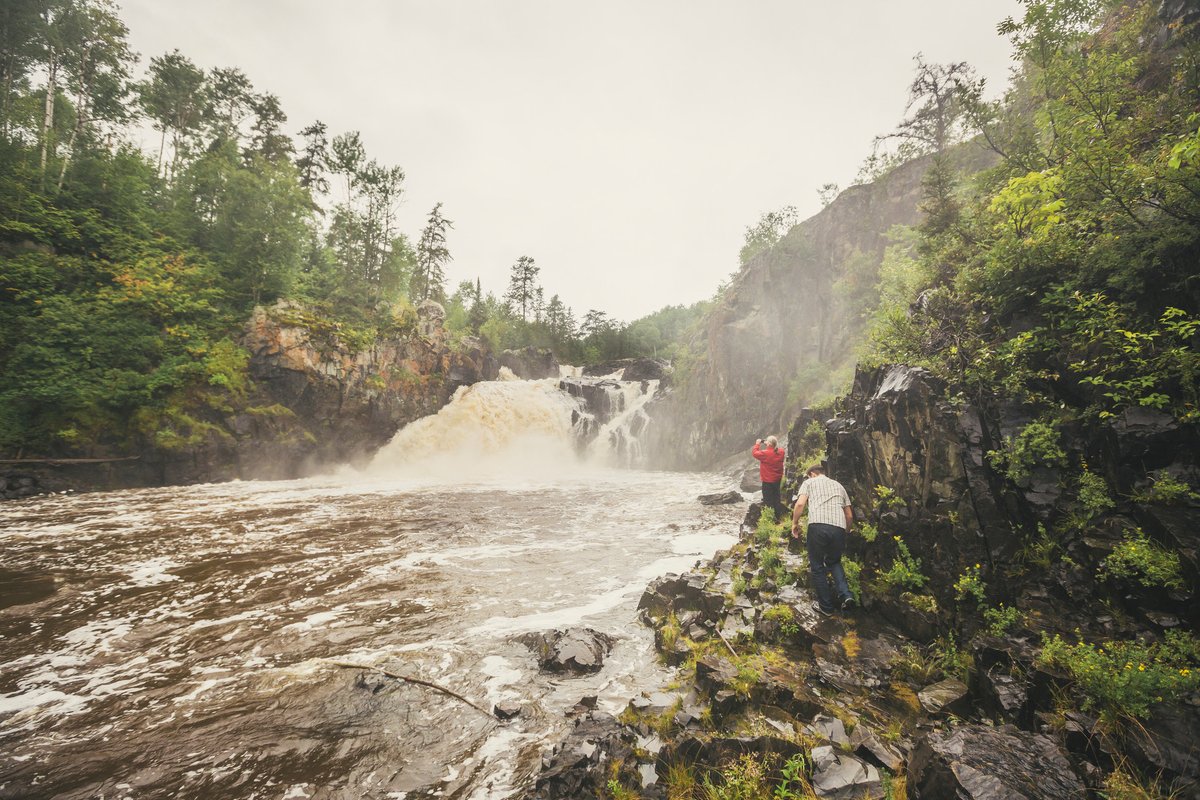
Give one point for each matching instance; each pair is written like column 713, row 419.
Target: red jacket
column 770, row 463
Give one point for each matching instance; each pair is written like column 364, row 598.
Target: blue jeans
column 825, row 546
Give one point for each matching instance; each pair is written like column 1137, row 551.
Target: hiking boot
column 826, row 612
column 848, row 604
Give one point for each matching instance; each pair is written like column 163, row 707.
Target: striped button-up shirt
column 826, row 499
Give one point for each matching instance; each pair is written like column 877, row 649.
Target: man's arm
column 849, row 517
column 797, row 512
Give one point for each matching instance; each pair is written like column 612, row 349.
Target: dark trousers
column 826, row 543
column 771, row 499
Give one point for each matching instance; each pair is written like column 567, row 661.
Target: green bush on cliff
column 1166, row 490
column 1127, row 678
column 1138, row 559
column 905, row 570
column 1037, row 444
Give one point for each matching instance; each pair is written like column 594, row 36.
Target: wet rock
column 530, row 363
column 632, row 369
column 1168, row 742
column 829, row 729
column 715, row 672
column 841, row 776
column 948, row 696
column 868, row 746
column 1003, row 696
column 506, row 709
column 575, row 768
column 721, row 498
column 978, row 762
column 654, row 702
column 577, row 650
column 751, row 481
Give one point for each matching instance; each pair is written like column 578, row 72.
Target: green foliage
column 905, row 571
column 785, row 617
column 768, row 530
column 867, row 531
column 853, row 570
column 886, row 498
column 1126, row 678
column 1147, row 563
column 770, row 228
column 1001, row 619
column 1037, row 444
column 748, row 778
column 1094, row 496
column 970, row 584
column 1166, row 490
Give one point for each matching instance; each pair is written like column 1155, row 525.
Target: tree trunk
column 48, row 117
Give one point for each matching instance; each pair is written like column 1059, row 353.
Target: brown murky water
column 174, row 643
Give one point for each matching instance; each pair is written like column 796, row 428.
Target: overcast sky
column 625, row 145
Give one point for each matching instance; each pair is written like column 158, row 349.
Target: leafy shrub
column 784, row 616
column 1125, row 678
column 969, row 584
column 1093, row 494
column 1166, row 490
column 1001, row 619
column 853, row 571
column 905, row 571
column 1036, row 444
column 887, row 498
column 867, row 531
column 1138, row 559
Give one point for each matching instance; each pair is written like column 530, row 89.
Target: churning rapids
column 175, row 643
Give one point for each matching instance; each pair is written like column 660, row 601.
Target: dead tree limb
column 406, row 678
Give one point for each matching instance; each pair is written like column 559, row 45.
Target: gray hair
column 772, row 441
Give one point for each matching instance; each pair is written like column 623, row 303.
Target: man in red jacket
column 770, row 470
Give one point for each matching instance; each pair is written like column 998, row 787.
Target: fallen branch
column 399, row 677
column 726, row 641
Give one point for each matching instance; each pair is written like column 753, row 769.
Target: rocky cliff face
column 783, row 317
column 338, row 405
column 313, row 402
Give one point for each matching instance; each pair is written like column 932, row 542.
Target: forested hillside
column 128, row 275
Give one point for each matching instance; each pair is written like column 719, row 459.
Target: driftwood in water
column 406, row 678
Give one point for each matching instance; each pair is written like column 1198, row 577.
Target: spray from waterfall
column 528, row 428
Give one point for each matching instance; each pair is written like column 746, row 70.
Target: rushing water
column 177, row 642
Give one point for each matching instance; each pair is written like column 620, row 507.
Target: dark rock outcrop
column 578, row 650
column 977, row 762
column 531, row 363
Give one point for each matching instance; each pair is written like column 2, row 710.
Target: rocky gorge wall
column 783, row 316
column 313, row 401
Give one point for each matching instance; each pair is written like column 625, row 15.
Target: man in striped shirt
column 829, row 520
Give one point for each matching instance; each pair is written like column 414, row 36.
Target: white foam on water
column 152, row 572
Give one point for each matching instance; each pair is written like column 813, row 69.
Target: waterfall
column 536, row 428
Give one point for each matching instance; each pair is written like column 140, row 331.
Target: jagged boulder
column 577, row 650
column 841, row 776
column 575, row 769
column 721, row 498
column 978, row 762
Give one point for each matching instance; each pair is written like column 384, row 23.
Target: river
column 177, row 642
